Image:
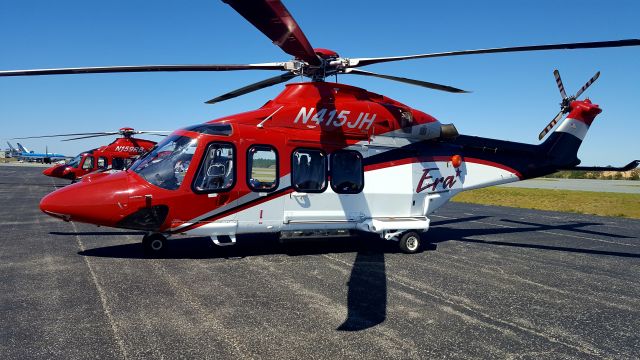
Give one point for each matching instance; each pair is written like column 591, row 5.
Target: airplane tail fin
column 22, row 148
column 562, row 145
column 11, row 147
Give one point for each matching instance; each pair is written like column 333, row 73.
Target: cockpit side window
column 217, row 171
column 167, row 165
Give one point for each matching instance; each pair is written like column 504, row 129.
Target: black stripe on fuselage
column 529, row 160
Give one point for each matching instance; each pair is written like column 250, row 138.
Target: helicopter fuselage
column 287, row 167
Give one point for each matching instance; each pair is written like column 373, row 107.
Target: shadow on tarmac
column 367, row 286
column 438, row 234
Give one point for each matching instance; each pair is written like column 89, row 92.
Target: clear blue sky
column 514, row 95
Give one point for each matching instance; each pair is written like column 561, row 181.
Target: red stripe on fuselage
column 421, row 159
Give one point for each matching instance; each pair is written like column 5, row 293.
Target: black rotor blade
column 585, row 86
column 90, row 136
column 61, row 135
column 357, row 62
column 556, row 74
column 142, row 68
column 426, row 84
column 273, row 19
column 252, row 87
column 551, row 124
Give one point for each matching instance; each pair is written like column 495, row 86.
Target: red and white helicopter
column 117, row 155
column 320, row 158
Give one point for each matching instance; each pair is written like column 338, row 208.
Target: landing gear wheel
column 410, row 242
column 154, row 244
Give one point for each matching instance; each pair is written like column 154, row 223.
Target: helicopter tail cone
column 562, row 146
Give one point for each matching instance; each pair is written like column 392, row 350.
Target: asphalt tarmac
column 493, row 282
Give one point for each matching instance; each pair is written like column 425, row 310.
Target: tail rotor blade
column 556, row 73
column 553, row 123
column 585, row 86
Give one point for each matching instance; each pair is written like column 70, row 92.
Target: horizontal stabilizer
column 630, row 166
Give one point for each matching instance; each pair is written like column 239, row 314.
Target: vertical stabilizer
column 563, row 144
column 22, row 148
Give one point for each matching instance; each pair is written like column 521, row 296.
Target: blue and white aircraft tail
column 22, row 148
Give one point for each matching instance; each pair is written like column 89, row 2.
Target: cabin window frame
column 106, row 162
column 325, row 169
column 234, row 174
column 249, row 161
column 332, row 168
column 88, row 158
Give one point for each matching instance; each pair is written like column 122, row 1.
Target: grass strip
column 581, row 202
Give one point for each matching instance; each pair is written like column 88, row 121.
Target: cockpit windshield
column 75, row 161
column 168, row 163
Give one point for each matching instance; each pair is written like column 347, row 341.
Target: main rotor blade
column 253, row 87
column 585, row 86
column 273, row 19
column 556, row 73
column 143, row 68
column 426, row 84
column 567, row 46
column 159, row 132
column 90, row 136
column 551, row 124
column 59, row 135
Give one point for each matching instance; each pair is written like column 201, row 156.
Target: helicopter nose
column 100, row 202
column 56, row 171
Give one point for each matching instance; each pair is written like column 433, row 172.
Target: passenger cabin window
column 216, row 172
column 347, row 172
column 88, row 163
column 262, row 168
column 117, row 163
column 309, row 170
column 102, row 162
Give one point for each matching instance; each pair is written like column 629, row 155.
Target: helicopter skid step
column 316, row 234
column 223, row 240
column 391, row 227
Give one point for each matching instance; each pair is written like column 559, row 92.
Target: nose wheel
column 154, row 244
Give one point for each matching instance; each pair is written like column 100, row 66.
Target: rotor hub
column 127, row 132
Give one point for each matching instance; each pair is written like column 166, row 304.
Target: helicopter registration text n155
column 131, row 149
column 329, row 118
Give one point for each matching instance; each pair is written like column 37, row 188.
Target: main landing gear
column 154, row 244
column 410, row 242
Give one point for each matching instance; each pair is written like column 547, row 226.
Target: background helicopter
column 117, row 155
column 394, row 120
